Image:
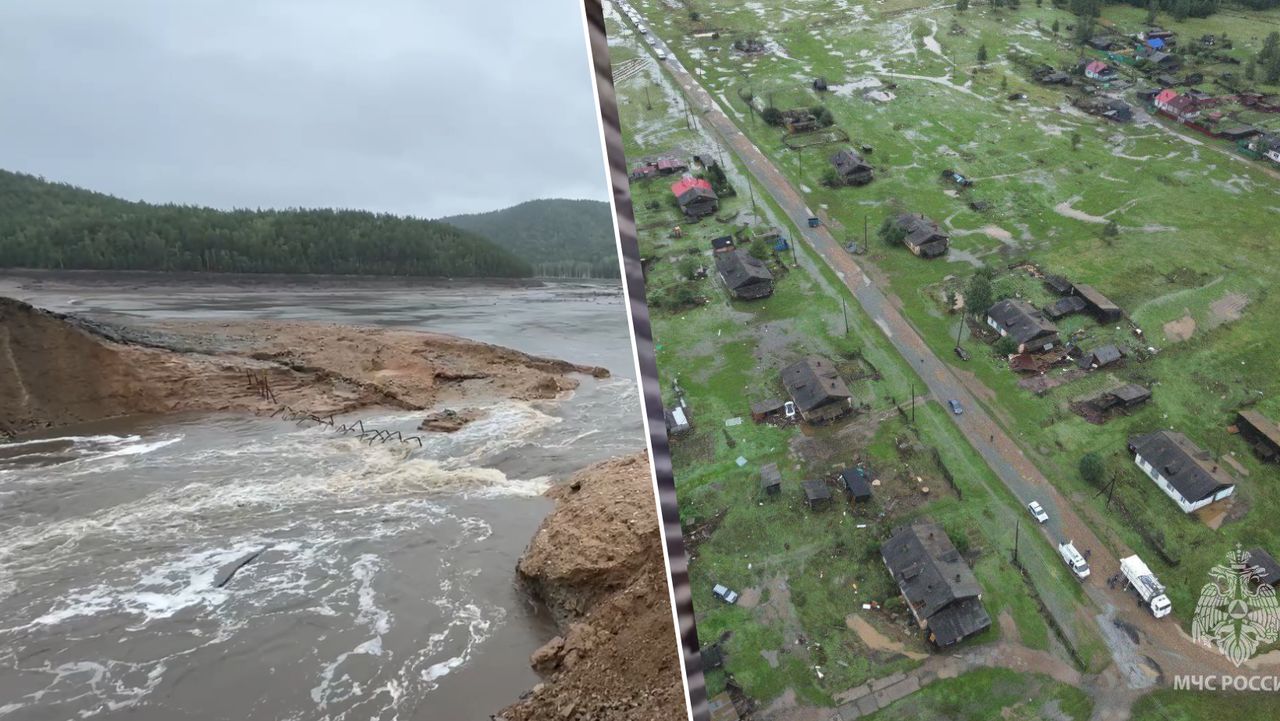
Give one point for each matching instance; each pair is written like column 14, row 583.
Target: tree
column 688, row 267
column 891, row 233
column 982, row 55
column 758, row 249
column 1075, row 141
column 695, row 16
column 1092, row 469
column 1055, row 27
column 771, row 116
column 1005, row 346
column 1181, row 10
column 1110, row 231
column 1151, row 12
column 962, row 5
column 978, row 293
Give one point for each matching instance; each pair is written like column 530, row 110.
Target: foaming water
column 236, row 567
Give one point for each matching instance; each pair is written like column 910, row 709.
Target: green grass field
column 991, row 694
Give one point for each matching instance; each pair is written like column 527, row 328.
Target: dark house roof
column 959, row 621
column 1104, row 356
column 934, row 577
column 1186, row 466
column 770, row 476
column 1063, row 307
column 922, row 235
column 1268, row 565
column 1099, row 304
column 855, row 482
column 813, row 382
column 1130, row 393
column 1260, row 425
column 816, row 491
column 850, row 165
column 1058, row 284
column 766, row 406
column 1022, row 322
column 740, row 269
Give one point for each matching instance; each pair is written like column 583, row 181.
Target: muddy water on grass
column 203, row 567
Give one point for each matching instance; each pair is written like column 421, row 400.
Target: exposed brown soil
column 597, row 564
column 57, row 370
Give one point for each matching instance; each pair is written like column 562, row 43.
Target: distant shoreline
column 320, row 280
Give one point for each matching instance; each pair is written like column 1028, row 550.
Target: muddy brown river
column 233, row 567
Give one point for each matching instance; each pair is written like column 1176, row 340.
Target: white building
column 1185, row 472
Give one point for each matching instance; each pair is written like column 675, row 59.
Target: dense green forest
column 561, row 238
column 54, row 225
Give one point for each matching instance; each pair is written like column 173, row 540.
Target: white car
column 789, row 409
column 662, row 55
column 1037, row 511
column 724, row 594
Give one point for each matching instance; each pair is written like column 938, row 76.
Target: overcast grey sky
column 419, row 107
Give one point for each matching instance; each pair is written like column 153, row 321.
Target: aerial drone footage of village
column 964, row 320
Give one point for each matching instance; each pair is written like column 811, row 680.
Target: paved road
column 1161, row 640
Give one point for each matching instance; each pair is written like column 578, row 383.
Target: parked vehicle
column 1147, row 585
column 1073, row 559
column 962, row 354
column 814, row 222
column 1037, row 511
column 789, row 409
column 956, row 408
column 724, row 594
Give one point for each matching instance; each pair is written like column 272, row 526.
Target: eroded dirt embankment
column 57, row 370
column 597, row 563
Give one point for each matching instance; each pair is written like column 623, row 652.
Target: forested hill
column 561, row 238
column 54, row 225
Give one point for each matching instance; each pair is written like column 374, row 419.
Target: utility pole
column 963, row 314
column 913, row 403
column 864, row 234
column 648, row 104
column 751, row 187
column 844, row 309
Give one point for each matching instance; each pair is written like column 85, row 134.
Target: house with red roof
column 1098, row 70
column 695, row 197
column 1177, row 106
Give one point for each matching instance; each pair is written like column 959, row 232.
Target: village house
column 764, row 410
column 1027, row 326
column 1046, row 75
column 1098, row 305
column 817, row 495
column 723, row 244
column 770, row 479
column 695, row 197
column 1117, row 110
column 1260, row 432
column 1167, row 38
column 1185, row 472
column 921, row 235
column 1161, row 60
column 856, row 484
column 1125, row 396
column 1268, row 568
column 939, row 587
column 816, row 388
column 1266, row 145
column 799, row 121
column 1105, row 43
column 1063, row 307
column 1176, row 106
column 1101, row 357
column 851, row 169
column 1098, row 70
column 746, row 276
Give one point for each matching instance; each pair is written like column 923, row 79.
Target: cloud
column 422, row 108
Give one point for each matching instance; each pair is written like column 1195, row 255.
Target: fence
column 261, row 384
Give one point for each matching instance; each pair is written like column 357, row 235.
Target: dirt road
column 1161, row 649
